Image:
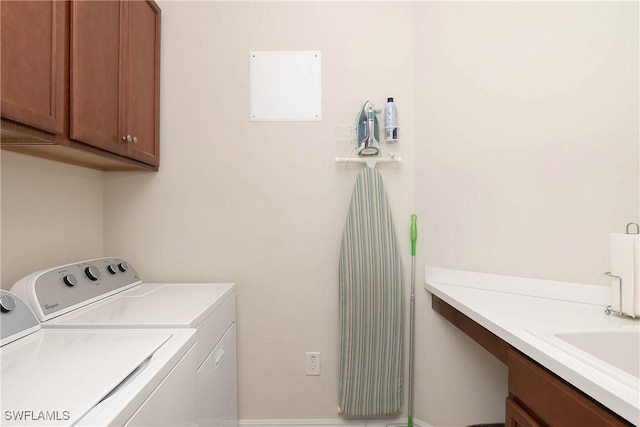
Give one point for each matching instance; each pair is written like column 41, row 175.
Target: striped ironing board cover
column 370, row 370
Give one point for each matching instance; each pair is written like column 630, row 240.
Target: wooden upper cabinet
column 81, row 81
column 115, row 82
column 33, row 61
column 95, row 74
column 142, row 84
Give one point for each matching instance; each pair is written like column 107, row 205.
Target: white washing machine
column 86, row 377
column 108, row 293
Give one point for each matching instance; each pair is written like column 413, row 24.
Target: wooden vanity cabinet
column 537, row 397
column 107, row 82
column 550, row 400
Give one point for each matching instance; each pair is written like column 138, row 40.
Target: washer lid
column 150, row 306
column 57, row 377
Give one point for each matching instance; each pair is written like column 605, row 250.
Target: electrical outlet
column 313, row 363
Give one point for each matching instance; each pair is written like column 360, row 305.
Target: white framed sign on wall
column 285, row 86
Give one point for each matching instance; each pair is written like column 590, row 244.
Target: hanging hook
column 637, row 228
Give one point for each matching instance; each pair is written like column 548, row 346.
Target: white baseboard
column 331, row 423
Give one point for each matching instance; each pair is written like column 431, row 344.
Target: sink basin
column 614, row 352
column 620, row 348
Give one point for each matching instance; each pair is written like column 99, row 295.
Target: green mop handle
column 414, row 237
column 414, row 233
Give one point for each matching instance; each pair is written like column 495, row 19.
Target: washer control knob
column 7, row 303
column 92, row 272
column 112, row 268
column 70, row 280
column 123, row 266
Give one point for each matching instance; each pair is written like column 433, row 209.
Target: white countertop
column 527, row 312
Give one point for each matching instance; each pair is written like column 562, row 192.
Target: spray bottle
column 390, row 122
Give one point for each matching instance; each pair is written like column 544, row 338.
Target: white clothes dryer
column 108, row 293
column 84, row 377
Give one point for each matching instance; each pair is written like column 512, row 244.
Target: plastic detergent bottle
column 390, row 121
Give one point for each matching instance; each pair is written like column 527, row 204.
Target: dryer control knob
column 70, row 280
column 7, row 303
column 123, row 266
column 92, row 272
column 112, row 268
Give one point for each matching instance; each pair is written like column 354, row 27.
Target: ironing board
column 370, row 370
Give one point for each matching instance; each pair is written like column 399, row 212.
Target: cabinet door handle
column 130, row 138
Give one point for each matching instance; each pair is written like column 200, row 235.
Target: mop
column 414, row 237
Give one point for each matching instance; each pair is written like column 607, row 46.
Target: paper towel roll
column 624, row 250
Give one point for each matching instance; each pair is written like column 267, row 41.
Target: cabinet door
column 33, row 55
column 517, row 417
column 553, row 401
column 95, row 74
column 142, row 88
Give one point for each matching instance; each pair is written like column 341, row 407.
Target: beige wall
column 519, row 139
column 531, row 114
column 51, row 214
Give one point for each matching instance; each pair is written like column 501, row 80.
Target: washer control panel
column 16, row 318
column 58, row 290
